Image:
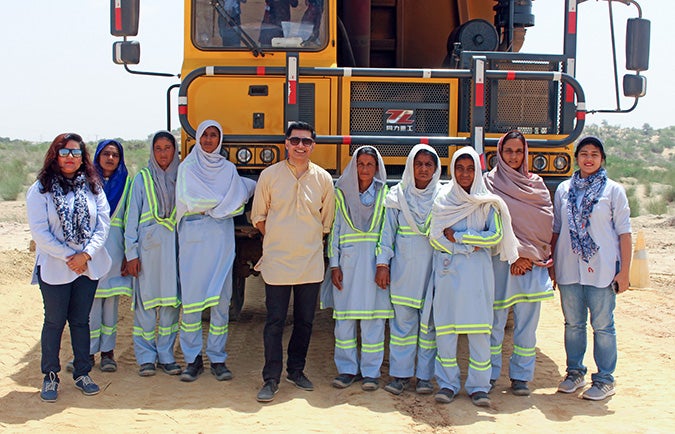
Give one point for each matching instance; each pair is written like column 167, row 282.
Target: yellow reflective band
column 108, row 331
column 447, row 362
column 406, row 301
column 402, row 341
column 218, row 330
column 147, row 336
column 116, row 219
column 201, row 305
column 477, row 240
column 168, row 222
column 438, row 246
column 479, row 366
column 524, row 352
column 497, row 349
column 363, row 314
column 190, row 327
column 94, row 333
column 345, row 344
column 372, row 348
column 111, row 292
column 463, row 329
column 427, row 344
column 161, row 301
column 523, row 298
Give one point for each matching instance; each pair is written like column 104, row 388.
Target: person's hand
column 123, row 268
column 551, row 275
column 382, row 276
column 521, row 266
column 78, row 262
column 622, row 280
column 336, row 277
column 449, row 234
column 134, row 267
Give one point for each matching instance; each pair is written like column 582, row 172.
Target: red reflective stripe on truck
column 424, row 140
column 569, row 93
column 510, row 75
column 118, row 17
column 480, row 95
column 182, row 109
column 260, row 70
column 292, row 92
column 572, row 23
column 346, row 140
column 581, row 115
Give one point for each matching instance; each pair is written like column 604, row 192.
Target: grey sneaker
column 370, row 384
column 301, row 381
column 444, row 396
column 172, row 368
column 269, row 389
column 108, row 363
column 480, row 399
column 343, row 381
column 572, row 382
column 519, row 388
column 599, row 391
column 147, row 370
column 220, row 371
column 87, row 385
column 424, row 387
column 397, row 385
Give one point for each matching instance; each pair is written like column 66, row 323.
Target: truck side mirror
column 124, row 17
column 126, row 52
column 634, row 85
column 637, row 44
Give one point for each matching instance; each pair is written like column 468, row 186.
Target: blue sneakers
column 50, row 387
column 87, row 385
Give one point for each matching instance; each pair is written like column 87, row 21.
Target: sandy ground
column 645, row 377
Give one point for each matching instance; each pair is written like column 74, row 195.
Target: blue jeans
column 576, row 302
column 69, row 302
column 277, row 298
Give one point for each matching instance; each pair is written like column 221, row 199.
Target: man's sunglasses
column 295, row 141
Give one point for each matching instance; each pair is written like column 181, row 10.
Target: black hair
column 164, row 135
column 368, row 150
column 302, row 126
column 514, row 134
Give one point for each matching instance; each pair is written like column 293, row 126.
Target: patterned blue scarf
column 578, row 217
column 75, row 221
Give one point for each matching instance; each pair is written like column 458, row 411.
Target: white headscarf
column 164, row 180
column 415, row 203
column 208, row 183
column 453, row 204
column 349, row 184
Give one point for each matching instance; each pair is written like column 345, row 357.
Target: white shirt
column 609, row 219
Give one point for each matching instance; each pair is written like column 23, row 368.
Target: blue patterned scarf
column 75, row 221
column 578, row 217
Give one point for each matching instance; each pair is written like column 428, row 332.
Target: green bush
column 633, row 202
column 13, row 175
column 657, row 206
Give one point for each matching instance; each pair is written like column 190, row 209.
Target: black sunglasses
column 295, row 141
column 75, row 153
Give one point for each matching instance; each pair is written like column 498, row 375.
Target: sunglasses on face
column 295, row 141
column 75, row 153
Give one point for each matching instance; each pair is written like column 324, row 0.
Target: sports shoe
column 147, row 370
column 599, row 391
column 343, row 381
column 220, row 371
column 397, row 385
column 301, row 381
column 480, row 399
column 424, row 387
column 108, row 363
column 171, row 368
column 87, row 385
column 50, row 388
column 193, row 370
column 519, row 388
column 369, row 384
column 572, row 382
column 444, row 396
column 269, row 389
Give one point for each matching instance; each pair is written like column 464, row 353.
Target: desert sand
column 645, row 376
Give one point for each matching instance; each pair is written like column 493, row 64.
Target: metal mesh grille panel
column 399, row 150
column 371, row 102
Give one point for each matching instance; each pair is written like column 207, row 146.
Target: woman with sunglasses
column 69, row 219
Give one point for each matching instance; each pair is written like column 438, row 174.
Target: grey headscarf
column 349, row 184
column 164, row 180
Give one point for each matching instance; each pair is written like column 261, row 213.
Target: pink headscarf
column 529, row 203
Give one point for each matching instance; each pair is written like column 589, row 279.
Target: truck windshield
column 259, row 25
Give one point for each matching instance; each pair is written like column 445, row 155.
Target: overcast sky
column 57, row 71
